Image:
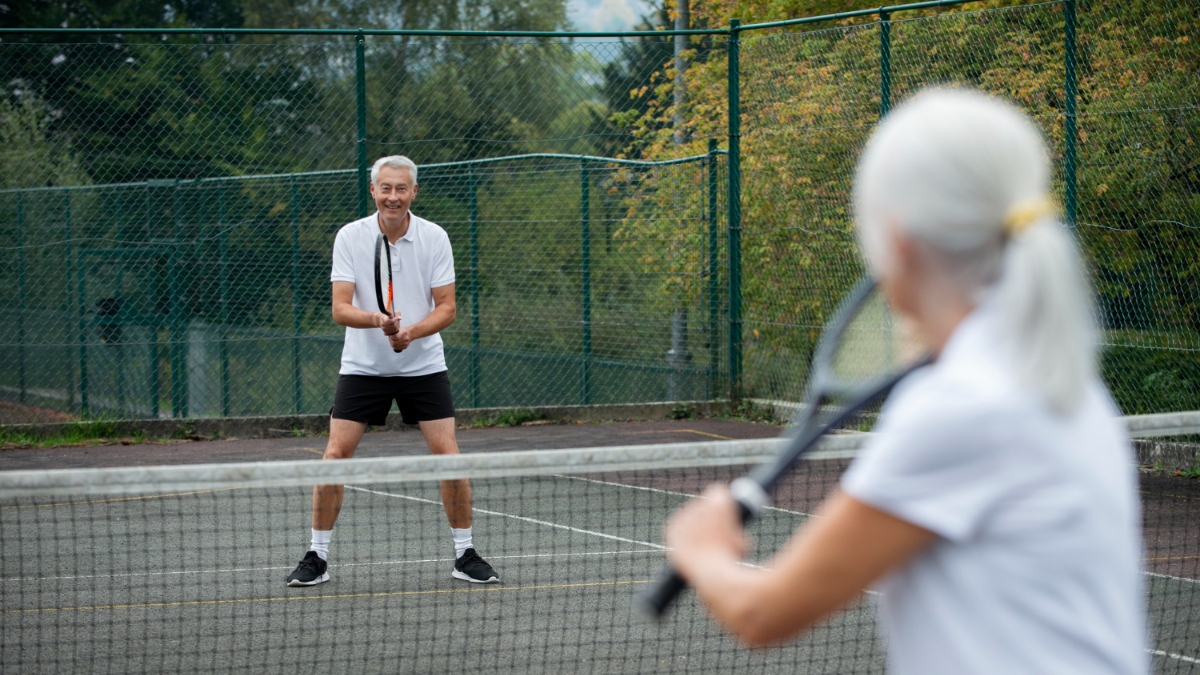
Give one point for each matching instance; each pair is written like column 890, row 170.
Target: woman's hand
column 705, row 529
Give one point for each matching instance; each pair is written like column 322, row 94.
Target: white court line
column 1168, row 576
column 535, row 521
column 1177, row 657
column 338, row 566
column 677, row 494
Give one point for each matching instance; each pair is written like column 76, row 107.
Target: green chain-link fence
column 169, row 199
column 1130, row 184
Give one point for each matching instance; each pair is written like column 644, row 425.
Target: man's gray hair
column 396, row 162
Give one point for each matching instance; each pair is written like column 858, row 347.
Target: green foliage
column 1146, row 380
column 70, row 434
column 30, row 156
column 510, row 417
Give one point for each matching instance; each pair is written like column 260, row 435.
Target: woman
column 996, row 508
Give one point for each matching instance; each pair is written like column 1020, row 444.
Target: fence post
column 21, row 293
column 77, row 265
column 473, row 278
column 122, row 366
column 179, row 357
column 298, row 395
column 360, row 101
column 1069, row 158
column 177, row 390
column 735, row 220
column 223, row 238
column 885, row 63
column 713, row 269
column 586, row 285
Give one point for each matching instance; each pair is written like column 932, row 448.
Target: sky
column 606, row 15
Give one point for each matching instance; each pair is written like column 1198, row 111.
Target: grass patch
column 681, row 412
column 511, row 417
column 75, row 433
column 749, row 411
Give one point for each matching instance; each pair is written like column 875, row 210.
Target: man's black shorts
column 368, row 398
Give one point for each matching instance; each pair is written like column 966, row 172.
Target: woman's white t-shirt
column 1037, row 568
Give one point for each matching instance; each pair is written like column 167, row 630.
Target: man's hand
column 401, row 338
column 389, row 324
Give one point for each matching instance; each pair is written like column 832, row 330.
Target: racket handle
column 654, row 601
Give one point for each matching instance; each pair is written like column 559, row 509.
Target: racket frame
column 752, row 491
column 383, row 253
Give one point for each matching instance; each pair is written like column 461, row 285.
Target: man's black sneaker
column 310, row 571
column 470, row 567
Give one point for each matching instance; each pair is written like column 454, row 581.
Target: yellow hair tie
column 1020, row 216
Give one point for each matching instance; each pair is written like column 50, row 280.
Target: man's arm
column 444, row 311
column 346, row 314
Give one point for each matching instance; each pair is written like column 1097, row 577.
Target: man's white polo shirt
column 421, row 261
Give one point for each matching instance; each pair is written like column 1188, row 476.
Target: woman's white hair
column 966, row 174
column 396, row 162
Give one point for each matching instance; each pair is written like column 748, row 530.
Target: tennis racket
column 860, row 356
column 383, row 276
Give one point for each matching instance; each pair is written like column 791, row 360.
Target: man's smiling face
column 394, row 191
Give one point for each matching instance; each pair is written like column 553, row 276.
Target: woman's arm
column 826, row 564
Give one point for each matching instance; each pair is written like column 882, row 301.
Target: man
column 388, row 358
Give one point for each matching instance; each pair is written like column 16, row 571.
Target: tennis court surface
column 180, row 567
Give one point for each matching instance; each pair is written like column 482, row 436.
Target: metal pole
column 473, row 279
column 885, row 63
column 76, row 264
column 297, row 396
column 735, row 220
column 360, row 99
column 223, row 238
column 681, row 45
column 153, row 373
column 586, row 286
column 179, row 373
column 119, row 346
column 1070, row 179
column 713, row 297
column 21, row 293
column 173, row 309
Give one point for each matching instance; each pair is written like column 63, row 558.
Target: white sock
column 320, row 543
column 462, row 541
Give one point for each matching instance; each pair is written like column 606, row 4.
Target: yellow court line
column 320, row 597
column 694, row 431
column 1182, row 557
column 117, row 499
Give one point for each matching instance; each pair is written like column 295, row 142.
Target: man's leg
column 456, row 494
column 456, row 499
column 344, row 436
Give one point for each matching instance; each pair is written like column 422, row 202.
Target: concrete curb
column 284, row 425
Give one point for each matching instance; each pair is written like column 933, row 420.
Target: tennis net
column 181, row 568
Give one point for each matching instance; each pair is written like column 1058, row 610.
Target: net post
column 1070, row 176
column 223, row 239
column 885, row 62
column 735, row 219
column 360, row 104
column 473, row 206
column 713, row 253
column 297, row 394
column 21, row 296
column 585, row 284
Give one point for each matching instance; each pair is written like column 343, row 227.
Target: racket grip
column 654, row 601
